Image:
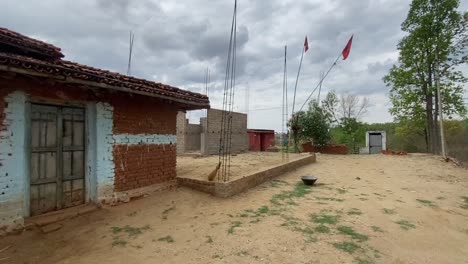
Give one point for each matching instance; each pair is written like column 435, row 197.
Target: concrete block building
column 204, row 137
column 71, row 134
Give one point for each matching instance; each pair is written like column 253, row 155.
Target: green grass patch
column 290, row 221
column 256, row 220
column 405, row 224
column 278, row 183
column 306, row 230
column 129, row 230
column 167, row 239
column 167, row 211
column 426, row 202
column 389, row 211
column 347, row 230
column 363, row 261
column 233, row 226
column 341, row 190
column 209, row 239
column 300, row 190
column 329, row 199
column 354, row 211
column 377, row 229
column 322, row 229
column 325, row 219
column 349, row 247
column 310, row 239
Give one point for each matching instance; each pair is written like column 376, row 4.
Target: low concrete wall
column 228, row 189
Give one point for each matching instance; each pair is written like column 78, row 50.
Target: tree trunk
column 436, row 130
column 429, row 122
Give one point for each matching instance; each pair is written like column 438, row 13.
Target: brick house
column 71, row 134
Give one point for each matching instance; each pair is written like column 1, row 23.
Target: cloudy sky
column 175, row 41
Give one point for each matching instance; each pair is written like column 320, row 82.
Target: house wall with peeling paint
column 130, row 143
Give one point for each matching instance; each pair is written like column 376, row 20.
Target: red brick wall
column 142, row 165
column 327, row 149
column 135, row 116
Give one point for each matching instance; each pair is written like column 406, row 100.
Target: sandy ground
column 241, row 164
column 406, row 209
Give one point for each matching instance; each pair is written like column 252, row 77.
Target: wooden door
column 57, row 158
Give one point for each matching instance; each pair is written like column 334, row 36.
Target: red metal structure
column 261, row 139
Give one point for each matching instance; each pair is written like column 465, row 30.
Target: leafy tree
column 436, row 36
column 311, row 124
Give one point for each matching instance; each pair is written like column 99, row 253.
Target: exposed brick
column 138, row 166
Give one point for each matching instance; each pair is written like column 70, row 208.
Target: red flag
column 306, row 45
column 347, row 49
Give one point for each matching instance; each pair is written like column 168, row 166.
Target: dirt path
column 402, row 210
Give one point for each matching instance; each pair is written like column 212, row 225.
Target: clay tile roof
column 72, row 72
column 29, row 46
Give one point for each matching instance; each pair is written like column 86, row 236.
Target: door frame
column 88, row 166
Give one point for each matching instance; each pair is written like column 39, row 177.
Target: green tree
column 435, row 31
column 311, row 124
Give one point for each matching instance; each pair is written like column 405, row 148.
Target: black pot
column 309, row 180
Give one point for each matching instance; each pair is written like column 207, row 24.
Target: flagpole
column 321, row 80
column 297, row 79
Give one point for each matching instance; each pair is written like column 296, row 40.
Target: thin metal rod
column 323, row 78
column 320, row 88
column 129, row 65
column 297, row 79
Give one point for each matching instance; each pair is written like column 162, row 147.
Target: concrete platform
column 228, row 189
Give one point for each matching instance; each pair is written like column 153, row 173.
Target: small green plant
column 405, row 225
column 242, row 253
column 363, row 261
column 132, row 214
column 166, row 212
column 131, row 231
column 354, row 211
column 389, row 211
column 167, row 238
column 426, row 202
column 255, row 221
column 310, row 239
column 465, row 200
column 377, row 229
column 216, row 256
column 263, row 210
column 325, row 219
column 234, row 225
column 209, row 239
column 119, row 242
column 349, row 247
column 347, row 230
column 322, row 229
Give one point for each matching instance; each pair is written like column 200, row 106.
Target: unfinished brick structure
column 205, row 136
column 71, row 134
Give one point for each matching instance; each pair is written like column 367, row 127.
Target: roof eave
column 184, row 104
